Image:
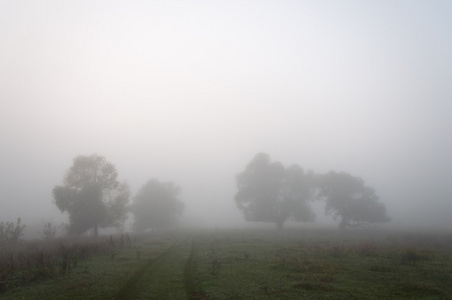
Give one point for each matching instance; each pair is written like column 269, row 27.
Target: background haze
column 190, row 91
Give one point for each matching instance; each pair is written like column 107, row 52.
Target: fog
column 190, row 91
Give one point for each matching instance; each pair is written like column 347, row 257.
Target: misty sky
column 189, row 91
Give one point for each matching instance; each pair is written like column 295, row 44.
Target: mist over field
column 190, row 91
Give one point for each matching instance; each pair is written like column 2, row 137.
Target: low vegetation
column 235, row 264
column 27, row 262
column 323, row 265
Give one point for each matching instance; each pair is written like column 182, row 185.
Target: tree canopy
column 347, row 197
column 269, row 192
column 157, row 206
column 92, row 195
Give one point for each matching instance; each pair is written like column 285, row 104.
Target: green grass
column 99, row 277
column 259, row 264
column 306, row 265
column 162, row 278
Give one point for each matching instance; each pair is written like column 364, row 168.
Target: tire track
column 189, row 270
column 168, row 276
column 128, row 288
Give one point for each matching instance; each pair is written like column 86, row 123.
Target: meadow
column 238, row 264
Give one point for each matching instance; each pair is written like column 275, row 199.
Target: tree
column 49, row 232
column 117, row 205
column 156, row 206
column 92, row 195
column 10, row 233
column 268, row 192
column 350, row 199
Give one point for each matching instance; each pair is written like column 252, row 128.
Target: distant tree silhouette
column 92, row 195
column 157, row 206
column 49, row 232
column 347, row 197
column 10, row 233
column 268, row 192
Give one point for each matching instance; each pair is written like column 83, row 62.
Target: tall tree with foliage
column 157, row 206
column 348, row 198
column 92, row 195
column 269, row 192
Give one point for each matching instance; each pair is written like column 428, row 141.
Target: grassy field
column 302, row 264
column 260, row 264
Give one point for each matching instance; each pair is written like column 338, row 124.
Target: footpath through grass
column 262, row 264
column 160, row 278
column 98, row 277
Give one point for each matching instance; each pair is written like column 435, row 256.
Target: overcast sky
column 189, row 91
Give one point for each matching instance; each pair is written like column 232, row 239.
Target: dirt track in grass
column 168, row 276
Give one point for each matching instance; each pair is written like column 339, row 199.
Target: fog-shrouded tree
column 348, row 198
column 10, row 233
column 269, row 192
column 92, row 195
column 157, row 206
column 49, row 232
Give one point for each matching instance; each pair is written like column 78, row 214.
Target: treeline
column 93, row 198
column 270, row 192
column 267, row 191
